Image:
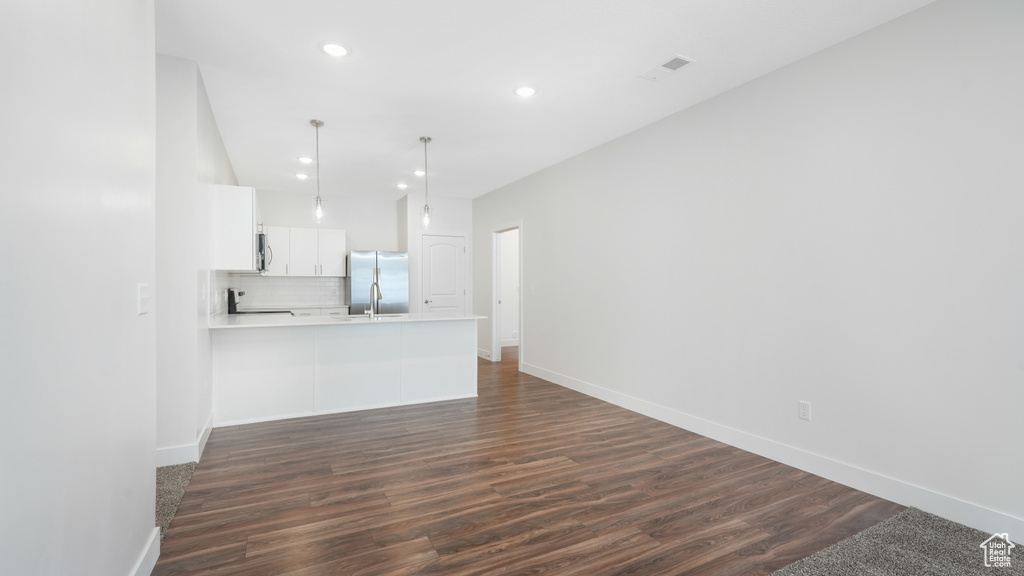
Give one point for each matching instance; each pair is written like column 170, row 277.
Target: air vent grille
column 660, row 72
column 675, row 63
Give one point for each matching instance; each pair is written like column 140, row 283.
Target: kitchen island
column 274, row 366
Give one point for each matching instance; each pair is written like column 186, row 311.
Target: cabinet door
column 279, row 249
column 305, row 258
column 332, row 252
column 234, row 228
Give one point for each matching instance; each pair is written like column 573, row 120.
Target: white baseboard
column 147, row 560
column 339, row 411
column 263, row 419
column 171, row 455
column 893, row 489
column 485, row 354
column 512, row 342
column 204, row 436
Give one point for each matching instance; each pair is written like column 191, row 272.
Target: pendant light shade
column 319, row 212
column 426, row 184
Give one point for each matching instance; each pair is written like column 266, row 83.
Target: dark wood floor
column 529, row 478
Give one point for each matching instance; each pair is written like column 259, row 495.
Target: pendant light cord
column 426, row 172
column 317, row 126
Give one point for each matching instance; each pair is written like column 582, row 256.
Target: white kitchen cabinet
column 278, row 250
column 332, row 252
column 310, row 251
column 235, row 215
column 305, row 252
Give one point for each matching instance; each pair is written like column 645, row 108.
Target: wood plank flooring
column 528, row 478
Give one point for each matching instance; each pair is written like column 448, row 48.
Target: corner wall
column 190, row 159
column 844, row 231
column 77, row 361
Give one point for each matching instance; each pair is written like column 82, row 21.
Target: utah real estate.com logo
column 997, row 550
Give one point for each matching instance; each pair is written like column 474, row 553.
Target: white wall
column 190, row 159
column 369, row 224
column 845, row 231
column 448, row 217
column 509, row 293
column 77, row 364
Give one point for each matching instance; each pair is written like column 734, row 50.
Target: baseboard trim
column 875, row 483
column 485, row 354
column 204, row 436
column 438, row 399
column 147, row 560
column 340, row 411
column 186, row 452
column 262, row 419
column 512, row 342
column 172, row 455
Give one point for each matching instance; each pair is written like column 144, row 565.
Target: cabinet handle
column 285, row 269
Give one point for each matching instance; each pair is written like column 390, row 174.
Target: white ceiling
column 448, row 69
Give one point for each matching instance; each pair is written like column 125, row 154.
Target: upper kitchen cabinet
column 235, row 217
column 332, row 252
column 305, row 260
column 306, row 251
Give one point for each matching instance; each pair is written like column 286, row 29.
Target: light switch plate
column 143, row 298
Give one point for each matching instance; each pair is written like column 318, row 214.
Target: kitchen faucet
column 374, row 305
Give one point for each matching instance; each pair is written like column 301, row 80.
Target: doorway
column 508, row 301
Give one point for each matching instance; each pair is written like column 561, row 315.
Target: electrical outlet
column 804, row 410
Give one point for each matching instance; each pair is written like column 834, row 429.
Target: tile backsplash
column 278, row 291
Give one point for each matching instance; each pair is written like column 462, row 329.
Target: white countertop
column 278, row 320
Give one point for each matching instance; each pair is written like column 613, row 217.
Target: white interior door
column 508, row 294
column 444, row 264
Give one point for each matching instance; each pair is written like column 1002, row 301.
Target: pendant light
column 316, row 124
column 426, row 184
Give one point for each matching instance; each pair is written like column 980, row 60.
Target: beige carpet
column 171, row 482
column 911, row 543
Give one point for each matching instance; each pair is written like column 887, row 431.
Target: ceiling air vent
column 660, row 72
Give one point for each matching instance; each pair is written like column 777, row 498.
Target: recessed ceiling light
column 335, row 49
column 419, row 172
column 306, row 160
column 402, row 185
column 302, row 176
column 526, row 91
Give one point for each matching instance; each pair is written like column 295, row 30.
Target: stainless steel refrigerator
column 393, row 270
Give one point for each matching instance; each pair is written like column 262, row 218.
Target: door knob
column 427, row 301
